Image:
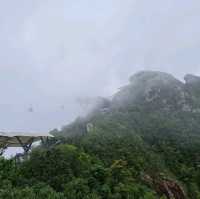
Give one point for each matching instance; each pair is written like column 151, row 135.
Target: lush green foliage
column 132, row 148
column 102, row 165
column 68, row 172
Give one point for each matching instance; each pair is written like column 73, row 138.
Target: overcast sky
column 55, row 51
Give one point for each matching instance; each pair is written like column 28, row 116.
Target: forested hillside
column 144, row 143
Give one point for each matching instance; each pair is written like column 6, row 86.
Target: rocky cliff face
column 161, row 91
column 192, row 87
column 170, row 188
column 192, row 79
column 155, row 93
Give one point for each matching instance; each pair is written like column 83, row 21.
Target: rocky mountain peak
column 151, row 86
column 153, row 77
column 191, row 79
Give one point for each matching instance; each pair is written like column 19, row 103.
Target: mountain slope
column 142, row 144
column 154, row 124
column 150, row 94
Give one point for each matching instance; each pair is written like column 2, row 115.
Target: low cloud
column 53, row 52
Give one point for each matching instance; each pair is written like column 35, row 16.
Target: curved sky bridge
column 20, row 139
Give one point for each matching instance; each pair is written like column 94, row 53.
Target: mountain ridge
column 150, row 91
column 142, row 144
column 156, row 119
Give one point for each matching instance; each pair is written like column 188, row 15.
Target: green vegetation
column 68, row 172
column 145, row 146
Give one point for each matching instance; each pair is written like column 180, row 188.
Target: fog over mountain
column 55, row 52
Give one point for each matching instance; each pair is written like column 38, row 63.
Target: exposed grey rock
column 197, row 110
column 186, row 108
column 161, row 91
column 191, row 79
column 153, row 94
column 89, row 127
column 149, row 87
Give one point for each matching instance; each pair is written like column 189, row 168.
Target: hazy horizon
column 54, row 52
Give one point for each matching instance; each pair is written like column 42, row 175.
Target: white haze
column 53, row 52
